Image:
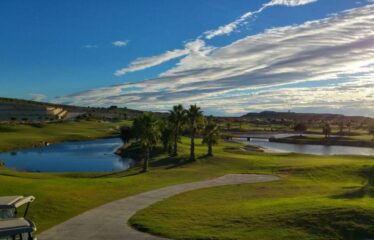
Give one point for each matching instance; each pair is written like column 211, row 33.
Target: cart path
column 109, row 221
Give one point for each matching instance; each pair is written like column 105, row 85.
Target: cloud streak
column 120, row 43
column 88, row 46
column 229, row 28
column 256, row 71
column 148, row 62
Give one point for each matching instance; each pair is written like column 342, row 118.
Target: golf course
column 316, row 197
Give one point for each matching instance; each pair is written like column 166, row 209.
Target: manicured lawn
column 62, row 196
column 316, row 197
column 21, row 135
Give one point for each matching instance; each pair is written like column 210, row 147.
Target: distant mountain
column 272, row 115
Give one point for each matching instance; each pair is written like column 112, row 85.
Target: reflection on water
column 312, row 149
column 85, row 156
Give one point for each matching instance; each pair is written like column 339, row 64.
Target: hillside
column 26, row 110
column 272, row 115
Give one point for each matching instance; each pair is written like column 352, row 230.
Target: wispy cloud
column 37, row 97
column 90, row 46
column 254, row 72
column 230, row 27
column 147, row 62
column 120, row 43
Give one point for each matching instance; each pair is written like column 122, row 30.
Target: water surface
column 83, row 156
column 311, row 149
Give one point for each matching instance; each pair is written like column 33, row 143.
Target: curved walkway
column 109, row 221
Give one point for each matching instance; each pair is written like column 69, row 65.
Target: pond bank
column 22, row 136
column 79, row 156
column 331, row 141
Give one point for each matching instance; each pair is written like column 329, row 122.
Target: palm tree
column 341, row 127
column 371, row 130
column 167, row 136
column 211, row 134
column 194, row 116
column 126, row 134
column 326, row 130
column 177, row 118
column 147, row 132
column 349, row 125
column 300, row 127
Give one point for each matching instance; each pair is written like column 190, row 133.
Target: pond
column 83, row 156
column 311, row 149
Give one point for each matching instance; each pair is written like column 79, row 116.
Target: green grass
column 21, row 135
column 317, row 197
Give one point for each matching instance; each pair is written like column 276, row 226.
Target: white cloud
column 290, row 3
column 254, row 71
column 228, row 28
column 90, row 46
column 147, row 62
column 120, row 43
column 37, row 97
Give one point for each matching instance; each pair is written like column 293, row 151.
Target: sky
column 229, row 57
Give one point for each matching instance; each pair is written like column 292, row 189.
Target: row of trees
column 326, row 129
column 148, row 131
column 302, row 127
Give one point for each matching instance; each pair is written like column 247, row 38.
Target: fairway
column 311, row 189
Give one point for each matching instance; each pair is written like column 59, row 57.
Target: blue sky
column 170, row 51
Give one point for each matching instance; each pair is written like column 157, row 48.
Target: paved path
column 109, row 221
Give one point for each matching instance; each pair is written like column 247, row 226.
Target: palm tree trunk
column 210, row 150
column 146, row 160
column 175, row 153
column 192, row 153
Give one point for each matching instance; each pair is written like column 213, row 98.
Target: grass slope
column 18, row 136
column 317, row 196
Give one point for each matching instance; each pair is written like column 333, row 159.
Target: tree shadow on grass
column 359, row 192
column 6, row 129
column 171, row 162
column 336, row 223
column 365, row 191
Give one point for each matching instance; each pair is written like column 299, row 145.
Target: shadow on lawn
column 336, row 223
column 365, row 191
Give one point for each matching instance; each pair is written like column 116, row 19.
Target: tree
column 126, row 134
column 326, row 130
column 349, row 125
column 300, row 128
column 341, row 127
column 194, row 116
column 371, row 130
column 146, row 130
column 228, row 125
column 211, row 134
column 177, row 118
column 167, row 136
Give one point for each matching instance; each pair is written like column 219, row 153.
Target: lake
column 311, row 149
column 83, row 156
